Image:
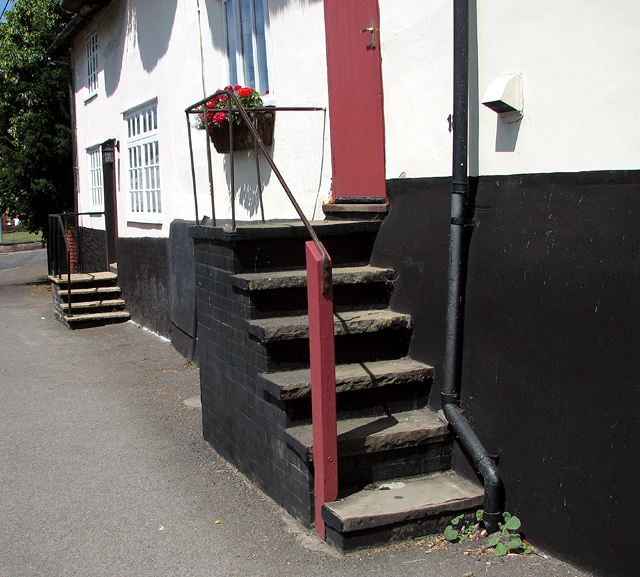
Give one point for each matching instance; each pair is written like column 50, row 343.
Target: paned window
column 92, row 65
column 95, row 177
column 245, row 35
column 143, row 161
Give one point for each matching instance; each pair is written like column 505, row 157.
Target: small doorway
column 355, row 100
column 108, row 149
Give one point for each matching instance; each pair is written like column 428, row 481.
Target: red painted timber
column 323, row 385
column 356, row 114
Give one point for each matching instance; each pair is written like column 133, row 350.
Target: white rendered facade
column 577, row 91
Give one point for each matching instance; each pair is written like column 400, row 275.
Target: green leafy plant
column 460, row 528
column 507, row 539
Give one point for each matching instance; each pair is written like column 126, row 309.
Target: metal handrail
column 320, row 304
column 326, row 263
column 52, row 247
column 57, row 218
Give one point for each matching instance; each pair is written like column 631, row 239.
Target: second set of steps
column 91, row 299
column 394, row 453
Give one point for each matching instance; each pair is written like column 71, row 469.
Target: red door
column 355, row 100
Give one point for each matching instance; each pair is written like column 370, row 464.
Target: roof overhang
column 84, row 9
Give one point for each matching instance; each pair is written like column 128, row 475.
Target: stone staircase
column 95, row 299
column 394, row 453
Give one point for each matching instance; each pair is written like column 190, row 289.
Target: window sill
column 145, row 219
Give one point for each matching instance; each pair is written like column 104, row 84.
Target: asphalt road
column 14, row 260
column 103, row 470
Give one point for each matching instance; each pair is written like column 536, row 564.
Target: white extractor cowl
column 504, row 94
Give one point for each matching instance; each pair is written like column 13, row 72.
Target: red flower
column 245, row 91
column 219, row 118
column 237, row 87
column 228, row 87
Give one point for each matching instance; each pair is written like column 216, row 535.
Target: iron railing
column 235, row 109
column 319, row 298
column 59, row 250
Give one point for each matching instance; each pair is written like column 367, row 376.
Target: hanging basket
column 242, row 137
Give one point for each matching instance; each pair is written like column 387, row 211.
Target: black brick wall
column 240, row 420
column 239, row 423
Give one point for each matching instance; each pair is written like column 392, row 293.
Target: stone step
column 351, row 322
column 286, row 385
column 298, row 278
column 361, row 435
column 98, row 290
column 84, row 278
column 92, row 304
column 111, row 316
column 399, row 509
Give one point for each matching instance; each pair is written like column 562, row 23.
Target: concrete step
column 399, row 509
column 360, row 435
column 298, row 278
column 286, row 385
column 84, row 278
column 352, row 322
column 98, row 290
column 113, row 316
column 107, row 303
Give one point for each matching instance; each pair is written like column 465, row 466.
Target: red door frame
column 356, row 115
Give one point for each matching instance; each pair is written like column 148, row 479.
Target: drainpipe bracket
column 464, row 222
column 460, row 187
column 449, row 399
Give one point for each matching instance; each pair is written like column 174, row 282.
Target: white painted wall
column 578, row 61
column 151, row 50
column 416, row 50
column 580, row 92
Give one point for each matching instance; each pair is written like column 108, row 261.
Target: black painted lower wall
column 143, row 276
column 93, row 250
column 550, row 375
column 182, row 289
column 158, row 284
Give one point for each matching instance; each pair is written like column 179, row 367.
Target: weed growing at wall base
column 506, row 540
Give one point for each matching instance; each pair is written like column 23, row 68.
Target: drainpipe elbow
column 493, row 489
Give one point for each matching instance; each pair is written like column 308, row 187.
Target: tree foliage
column 36, row 175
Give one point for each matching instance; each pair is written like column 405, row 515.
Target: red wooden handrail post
column 323, row 384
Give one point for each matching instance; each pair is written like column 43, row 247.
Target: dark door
column 110, row 204
column 355, row 100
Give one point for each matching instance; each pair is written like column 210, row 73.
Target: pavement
column 104, row 472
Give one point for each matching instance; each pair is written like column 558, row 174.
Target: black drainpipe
column 460, row 234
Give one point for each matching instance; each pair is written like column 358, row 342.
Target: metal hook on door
column 372, row 30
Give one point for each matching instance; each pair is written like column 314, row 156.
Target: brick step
column 287, row 385
column 91, row 291
column 107, row 303
column 298, row 278
column 97, row 318
column 360, row 435
column 399, row 509
column 85, row 278
column 347, row 323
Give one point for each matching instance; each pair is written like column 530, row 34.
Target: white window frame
column 96, row 181
column 143, row 164
column 248, row 65
column 92, row 65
